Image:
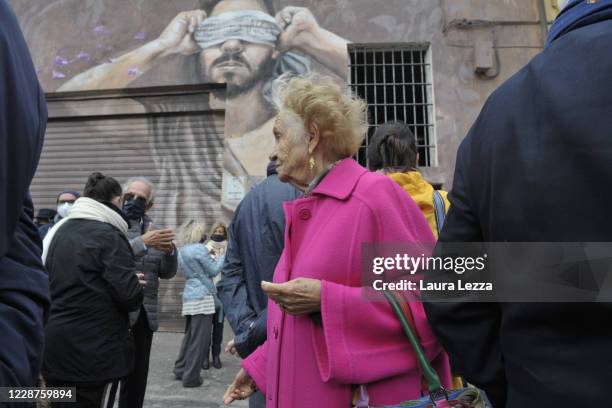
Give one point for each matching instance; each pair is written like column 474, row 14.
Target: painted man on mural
column 245, row 44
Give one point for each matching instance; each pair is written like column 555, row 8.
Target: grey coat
column 155, row 265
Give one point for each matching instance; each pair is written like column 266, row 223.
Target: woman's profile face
column 220, row 231
column 290, row 152
column 117, row 201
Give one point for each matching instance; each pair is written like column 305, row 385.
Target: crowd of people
column 80, row 310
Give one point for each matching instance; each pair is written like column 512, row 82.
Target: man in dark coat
column 531, row 170
column 155, row 257
column 256, row 241
column 23, row 281
column 43, row 217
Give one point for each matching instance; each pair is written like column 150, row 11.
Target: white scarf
column 86, row 209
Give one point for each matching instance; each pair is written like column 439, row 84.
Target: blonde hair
column 191, row 232
column 216, row 225
column 340, row 117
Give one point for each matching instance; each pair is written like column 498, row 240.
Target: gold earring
column 312, row 163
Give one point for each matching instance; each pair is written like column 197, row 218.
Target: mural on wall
column 243, row 43
column 108, row 44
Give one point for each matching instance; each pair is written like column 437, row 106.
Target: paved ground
column 163, row 391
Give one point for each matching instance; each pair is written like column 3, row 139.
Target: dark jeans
column 217, row 334
column 133, row 387
column 194, row 347
column 88, row 395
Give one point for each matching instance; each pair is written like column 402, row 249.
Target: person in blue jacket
column 199, row 301
column 256, row 241
column 24, row 284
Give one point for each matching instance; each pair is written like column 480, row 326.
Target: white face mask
column 62, row 209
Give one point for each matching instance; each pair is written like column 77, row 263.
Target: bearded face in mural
column 238, row 48
column 244, row 44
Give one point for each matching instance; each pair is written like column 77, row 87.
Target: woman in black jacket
column 93, row 287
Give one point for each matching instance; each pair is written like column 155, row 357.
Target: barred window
column 396, row 82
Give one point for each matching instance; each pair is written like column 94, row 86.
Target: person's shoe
column 193, row 385
column 206, row 364
column 217, row 362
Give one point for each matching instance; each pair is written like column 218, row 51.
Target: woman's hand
column 296, row 297
column 242, row 388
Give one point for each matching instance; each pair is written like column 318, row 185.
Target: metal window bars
column 396, row 81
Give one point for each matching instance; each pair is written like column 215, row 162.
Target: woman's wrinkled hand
column 242, row 388
column 296, row 297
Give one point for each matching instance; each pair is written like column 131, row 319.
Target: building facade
column 431, row 63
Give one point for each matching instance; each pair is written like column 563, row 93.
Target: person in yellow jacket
column 393, row 151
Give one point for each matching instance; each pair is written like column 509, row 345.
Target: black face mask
column 217, row 237
column 134, row 208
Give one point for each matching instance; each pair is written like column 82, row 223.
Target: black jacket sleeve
column 168, row 265
column 120, row 272
column 469, row 331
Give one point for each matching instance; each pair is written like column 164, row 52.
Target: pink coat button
column 304, row 214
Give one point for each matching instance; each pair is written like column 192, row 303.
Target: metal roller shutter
column 172, row 135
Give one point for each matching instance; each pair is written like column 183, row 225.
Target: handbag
column 437, row 396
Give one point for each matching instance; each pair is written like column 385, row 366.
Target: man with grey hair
column 155, row 257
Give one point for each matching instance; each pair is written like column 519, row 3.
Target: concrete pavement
column 163, row 391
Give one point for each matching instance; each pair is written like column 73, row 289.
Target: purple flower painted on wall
column 140, row 35
column 134, row 72
column 61, row 61
column 83, row 56
column 100, row 29
column 57, row 74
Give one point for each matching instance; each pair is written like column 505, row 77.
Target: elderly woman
column 323, row 337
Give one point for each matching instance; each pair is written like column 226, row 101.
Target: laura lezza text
column 423, row 286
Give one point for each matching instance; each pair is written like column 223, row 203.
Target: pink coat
column 306, row 365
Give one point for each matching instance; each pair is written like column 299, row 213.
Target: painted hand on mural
column 300, row 28
column 302, row 32
column 177, row 37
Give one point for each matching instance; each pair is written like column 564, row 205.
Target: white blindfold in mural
column 251, row 26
